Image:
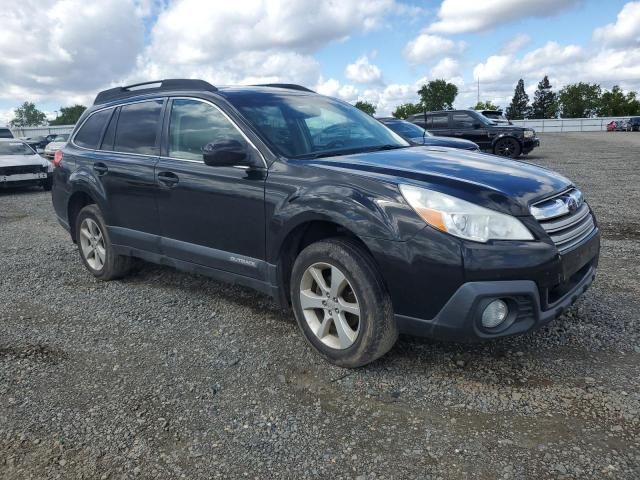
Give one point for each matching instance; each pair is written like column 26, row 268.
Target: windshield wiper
column 384, row 147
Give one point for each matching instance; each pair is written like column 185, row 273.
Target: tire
column 372, row 332
column 47, row 184
column 507, row 147
column 106, row 265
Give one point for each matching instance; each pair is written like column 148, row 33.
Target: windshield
column 61, row 138
column 15, row 148
column 312, row 126
column 407, row 129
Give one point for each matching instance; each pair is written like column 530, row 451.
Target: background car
column 20, row 165
column 415, row 134
column 5, row 133
column 56, row 143
column 37, row 142
column 500, row 139
column 496, row 116
column 622, row 125
column 634, row 124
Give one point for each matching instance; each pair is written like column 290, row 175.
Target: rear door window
column 137, row 130
column 89, row 134
column 440, row 120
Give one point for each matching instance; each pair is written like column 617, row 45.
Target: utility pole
column 478, row 90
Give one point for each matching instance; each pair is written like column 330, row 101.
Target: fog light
column 494, row 314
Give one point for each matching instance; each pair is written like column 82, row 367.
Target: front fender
column 370, row 210
column 505, row 135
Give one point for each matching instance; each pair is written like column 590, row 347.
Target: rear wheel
column 95, row 246
column 341, row 304
column 47, row 184
column 507, row 147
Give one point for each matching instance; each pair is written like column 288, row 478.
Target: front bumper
column 23, row 179
column 529, row 144
column 536, row 292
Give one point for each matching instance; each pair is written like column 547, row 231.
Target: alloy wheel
column 330, row 305
column 92, row 244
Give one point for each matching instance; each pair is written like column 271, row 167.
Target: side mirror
column 225, row 153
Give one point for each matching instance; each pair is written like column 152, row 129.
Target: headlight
column 529, row 133
column 463, row 219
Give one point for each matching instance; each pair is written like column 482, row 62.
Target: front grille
column 566, row 218
column 21, row 169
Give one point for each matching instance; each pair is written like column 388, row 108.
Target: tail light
column 57, row 158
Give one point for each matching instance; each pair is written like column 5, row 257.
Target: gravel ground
column 169, row 375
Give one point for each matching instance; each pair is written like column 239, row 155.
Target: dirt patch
column 38, row 353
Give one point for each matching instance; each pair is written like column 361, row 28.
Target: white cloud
column 426, row 47
column 535, row 63
column 459, row 16
column 446, row 68
column 514, row 45
column 625, row 31
column 361, row 71
column 66, row 47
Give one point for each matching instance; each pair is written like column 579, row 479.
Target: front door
column 211, row 215
column 464, row 125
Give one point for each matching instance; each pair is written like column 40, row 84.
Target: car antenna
column 424, row 129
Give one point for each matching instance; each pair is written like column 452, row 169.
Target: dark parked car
column 309, row 200
column 504, row 140
column 634, row 124
column 5, row 133
column 418, row 135
column 37, row 142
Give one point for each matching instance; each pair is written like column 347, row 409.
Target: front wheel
column 507, row 147
column 341, row 304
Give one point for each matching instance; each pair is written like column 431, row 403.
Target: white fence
column 568, row 124
column 40, row 131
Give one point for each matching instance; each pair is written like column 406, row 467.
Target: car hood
column 496, row 182
column 22, row 160
column 446, row 142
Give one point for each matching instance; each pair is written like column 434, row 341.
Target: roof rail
column 289, row 86
column 152, row 87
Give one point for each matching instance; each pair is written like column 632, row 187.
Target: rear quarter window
column 5, row 133
column 89, row 134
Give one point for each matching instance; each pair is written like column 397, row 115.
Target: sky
column 56, row 53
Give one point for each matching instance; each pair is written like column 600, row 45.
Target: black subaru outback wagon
column 322, row 207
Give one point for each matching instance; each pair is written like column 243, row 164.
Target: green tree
column 545, row 101
column 68, row 115
column 27, row 115
column 366, row 107
column 615, row 103
column 403, row 111
column 580, row 100
column 485, row 106
column 519, row 107
column 438, row 95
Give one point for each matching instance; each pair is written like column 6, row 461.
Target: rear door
column 211, row 215
column 438, row 124
column 125, row 165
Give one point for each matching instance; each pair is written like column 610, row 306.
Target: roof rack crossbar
column 288, row 86
column 152, row 87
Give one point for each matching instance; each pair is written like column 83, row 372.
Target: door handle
column 100, row 168
column 169, row 179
